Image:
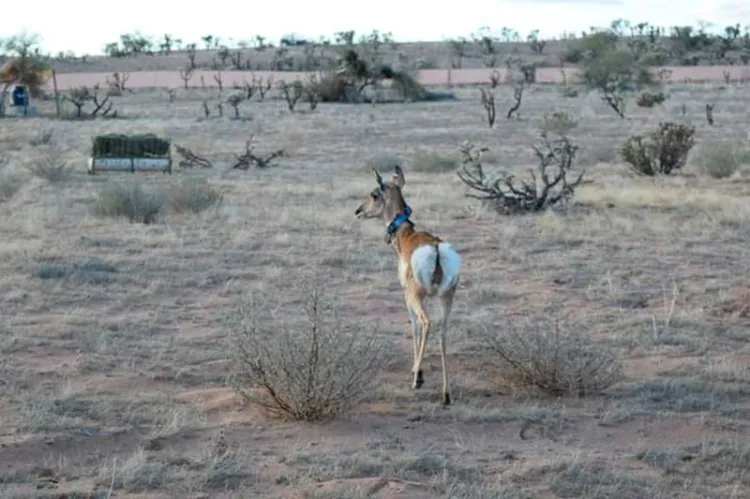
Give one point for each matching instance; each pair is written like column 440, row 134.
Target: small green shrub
column 721, row 160
column 192, row 195
column 130, row 200
column 648, row 99
column 433, row 162
column 558, row 123
column 661, row 151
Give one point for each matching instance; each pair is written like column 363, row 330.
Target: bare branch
column 190, row 159
column 547, row 186
column 249, row 158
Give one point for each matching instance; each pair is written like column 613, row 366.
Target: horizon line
column 234, row 43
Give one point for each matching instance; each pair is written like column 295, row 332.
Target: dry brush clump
column 144, row 204
column 192, row 195
column 650, row 99
column 51, row 169
column 721, row 160
column 661, row 151
column 9, row 182
column 313, row 368
column 549, row 185
column 131, row 200
column 540, row 355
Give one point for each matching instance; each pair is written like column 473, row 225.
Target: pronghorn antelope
column 427, row 266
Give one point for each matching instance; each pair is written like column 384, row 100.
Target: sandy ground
column 113, row 353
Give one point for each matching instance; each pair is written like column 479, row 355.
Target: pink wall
column 171, row 79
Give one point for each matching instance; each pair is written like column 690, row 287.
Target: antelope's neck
column 402, row 235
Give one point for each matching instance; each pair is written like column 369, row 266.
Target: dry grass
column 113, row 352
column 556, row 359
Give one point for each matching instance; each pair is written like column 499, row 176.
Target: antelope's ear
column 398, row 177
column 378, row 178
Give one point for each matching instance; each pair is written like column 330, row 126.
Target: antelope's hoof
column 446, row 399
column 418, row 380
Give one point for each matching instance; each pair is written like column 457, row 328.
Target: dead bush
column 245, row 160
column 130, row 200
column 313, row 369
column 192, row 195
column 648, row 99
column 661, row 151
column 50, row 169
column 487, row 98
column 539, row 355
column 720, row 160
column 235, row 100
column 547, row 186
column 292, row 92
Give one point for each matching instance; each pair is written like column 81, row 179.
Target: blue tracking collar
column 398, row 221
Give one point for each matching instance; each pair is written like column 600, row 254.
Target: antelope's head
column 385, row 201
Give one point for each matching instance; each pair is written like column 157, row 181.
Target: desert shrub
column 558, row 123
column 648, row 99
column 332, row 88
column 613, row 73
column 314, row 369
column 550, row 184
column 720, row 160
column 50, row 169
column 43, row 138
column 130, row 200
column 192, row 195
column 558, row 362
column 433, row 162
column 654, row 58
column 345, row 87
column 661, row 151
column 9, row 183
column 409, row 87
column 569, row 92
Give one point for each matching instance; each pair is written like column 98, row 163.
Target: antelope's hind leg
column 416, row 334
column 446, row 302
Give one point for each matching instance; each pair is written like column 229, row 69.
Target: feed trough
column 130, row 153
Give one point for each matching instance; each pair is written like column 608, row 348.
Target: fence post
column 57, row 94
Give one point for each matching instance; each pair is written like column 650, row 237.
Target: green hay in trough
column 133, row 146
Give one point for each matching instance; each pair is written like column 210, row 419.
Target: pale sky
column 85, row 26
